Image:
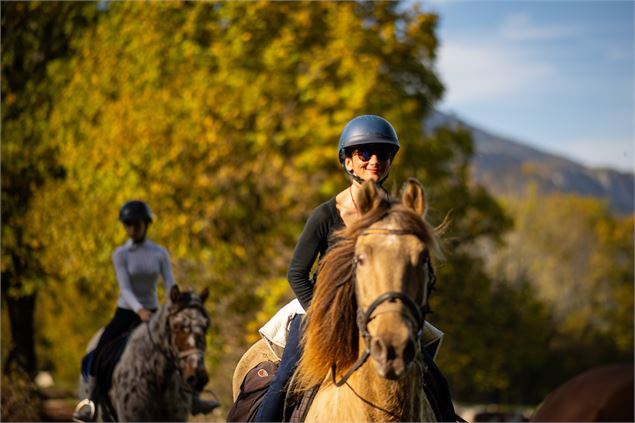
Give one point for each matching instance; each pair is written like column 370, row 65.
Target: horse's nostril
column 378, row 349
column 391, row 353
column 191, row 380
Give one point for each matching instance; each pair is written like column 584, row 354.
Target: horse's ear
column 368, row 198
column 175, row 294
column 204, row 294
column 413, row 196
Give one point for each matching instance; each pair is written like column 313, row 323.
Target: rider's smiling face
column 136, row 229
column 369, row 162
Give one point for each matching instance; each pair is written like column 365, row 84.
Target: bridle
column 416, row 315
column 172, row 358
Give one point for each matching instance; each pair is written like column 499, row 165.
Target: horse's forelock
column 186, row 297
column 407, row 218
column 189, row 299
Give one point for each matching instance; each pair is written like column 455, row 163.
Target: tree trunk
column 22, row 320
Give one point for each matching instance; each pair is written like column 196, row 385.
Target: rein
column 417, row 313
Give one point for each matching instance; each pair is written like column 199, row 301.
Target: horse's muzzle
column 391, row 357
column 198, row 380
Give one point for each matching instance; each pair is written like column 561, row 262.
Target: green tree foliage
column 578, row 259
column 34, row 35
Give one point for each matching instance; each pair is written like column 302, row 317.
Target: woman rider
column 367, row 147
column 138, row 264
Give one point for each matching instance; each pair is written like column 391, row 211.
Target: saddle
column 297, row 404
column 252, row 390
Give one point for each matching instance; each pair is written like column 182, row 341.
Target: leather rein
column 416, row 315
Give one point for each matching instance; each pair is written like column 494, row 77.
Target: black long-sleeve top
column 313, row 243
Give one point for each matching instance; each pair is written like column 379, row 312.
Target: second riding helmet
column 367, row 129
column 135, row 210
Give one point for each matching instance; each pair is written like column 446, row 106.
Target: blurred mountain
column 506, row 167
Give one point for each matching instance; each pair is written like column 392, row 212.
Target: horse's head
column 188, row 322
column 372, row 289
column 393, row 273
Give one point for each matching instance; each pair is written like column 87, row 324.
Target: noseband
column 416, row 316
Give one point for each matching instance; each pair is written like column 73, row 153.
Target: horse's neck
column 147, row 370
column 151, row 337
column 368, row 397
column 151, row 347
column 388, row 400
column 158, row 324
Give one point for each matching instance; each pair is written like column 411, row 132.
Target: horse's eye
column 360, row 259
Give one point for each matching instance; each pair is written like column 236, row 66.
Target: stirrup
column 84, row 411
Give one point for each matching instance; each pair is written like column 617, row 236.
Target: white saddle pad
column 275, row 331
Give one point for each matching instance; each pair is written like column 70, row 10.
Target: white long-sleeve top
column 138, row 267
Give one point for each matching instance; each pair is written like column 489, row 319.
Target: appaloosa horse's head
column 187, row 324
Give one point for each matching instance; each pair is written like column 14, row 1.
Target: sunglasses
column 382, row 151
column 133, row 223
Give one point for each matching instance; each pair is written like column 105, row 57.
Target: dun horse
column 162, row 364
column 362, row 341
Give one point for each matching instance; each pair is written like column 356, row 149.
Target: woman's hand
column 144, row 314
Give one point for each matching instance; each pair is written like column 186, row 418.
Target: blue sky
column 556, row 75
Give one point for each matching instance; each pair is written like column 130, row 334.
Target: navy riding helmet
column 134, row 210
column 367, row 129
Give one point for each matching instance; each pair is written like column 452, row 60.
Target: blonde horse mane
column 331, row 335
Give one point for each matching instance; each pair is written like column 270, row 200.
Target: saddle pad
column 87, row 364
column 252, row 390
